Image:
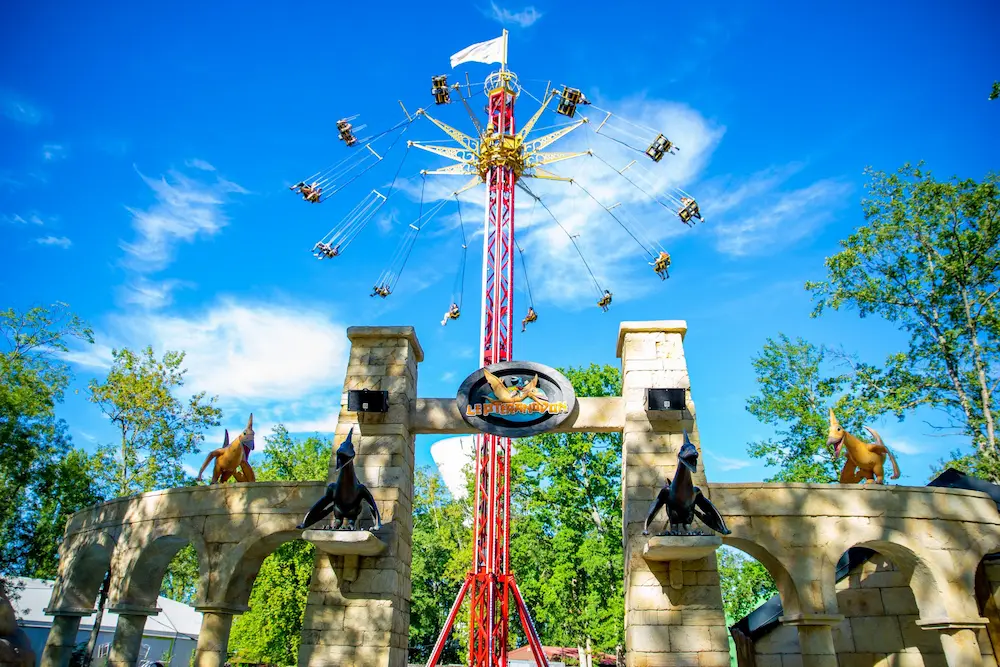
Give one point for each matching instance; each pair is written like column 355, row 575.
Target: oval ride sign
column 516, row 399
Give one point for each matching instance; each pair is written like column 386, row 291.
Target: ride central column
column 490, row 593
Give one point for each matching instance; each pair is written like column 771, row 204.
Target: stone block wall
column 360, row 616
column 682, row 627
column 879, row 627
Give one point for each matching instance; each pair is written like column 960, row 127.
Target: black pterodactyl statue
column 345, row 496
column 684, row 500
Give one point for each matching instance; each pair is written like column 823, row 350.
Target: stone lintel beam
column 133, row 610
column 591, row 415
column 811, row 619
column 69, row 611
column 952, row 623
column 356, row 333
column 220, row 608
column 653, row 326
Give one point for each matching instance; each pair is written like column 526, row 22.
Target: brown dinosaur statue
column 15, row 648
column 231, row 460
column 864, row 460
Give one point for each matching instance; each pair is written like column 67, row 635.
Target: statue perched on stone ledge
column 864, row 460
column 345, row 497
column 684, row 500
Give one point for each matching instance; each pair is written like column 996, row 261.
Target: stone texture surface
column 652, row 355
column 880, row 626
column 361, row 616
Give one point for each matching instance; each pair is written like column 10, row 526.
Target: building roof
column 764, row 618
column 557, row 653
column 175, row 618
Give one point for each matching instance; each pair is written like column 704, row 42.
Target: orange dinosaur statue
column 232, row 459
column 864, row 460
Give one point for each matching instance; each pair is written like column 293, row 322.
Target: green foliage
column 927, row 260
column 181, row 580
column 65, row 487
column 157, row 429
column 286, row 459
column 566, row 526
column 39, row 478
column 746, row 584
column 795, row 392
column 270, row 631
column 441, row 555
column 995, row 93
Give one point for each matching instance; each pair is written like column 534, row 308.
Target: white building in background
column 451, row 456
column 170, row 636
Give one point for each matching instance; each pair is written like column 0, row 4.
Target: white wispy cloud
column 29, row 219
column 283, row 362
column 727, row 464
column 522, row 18
column 150, row 294
column 18, row 109
column 185, row 209
column 52, row 152
column 60, row 241
column 761, row 216
column 199, row 164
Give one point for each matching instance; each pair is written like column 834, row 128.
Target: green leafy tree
column 33, row 441
column 796, row 389
column 566, row 527
column 927, row 260
column 441, row 556
column 64, row 487
column 180, row 583
column 746, row 584
column 157, row 430
column 287, row 459
column 269, row 632
column 995, row 93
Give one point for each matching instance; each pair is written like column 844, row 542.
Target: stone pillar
column 688, row 622
column 362, row 617
column 815, row 638
column 958, row 640
column 127, row 643
column 213, row 638
column 62, row 637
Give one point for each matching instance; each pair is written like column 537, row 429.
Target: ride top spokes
column 501, row 157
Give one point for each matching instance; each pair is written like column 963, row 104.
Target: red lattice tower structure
column 490, row 584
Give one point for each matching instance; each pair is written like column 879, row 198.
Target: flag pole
column 503, row 63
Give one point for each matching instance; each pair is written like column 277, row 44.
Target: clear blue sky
column 147, row 153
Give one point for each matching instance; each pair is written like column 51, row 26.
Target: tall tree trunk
column 92, row 641
column 590, row 654
column 984, row 389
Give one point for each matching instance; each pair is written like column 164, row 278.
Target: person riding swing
column 605, row 301
column 529, row 318
column 661, row 264
column 453, row 314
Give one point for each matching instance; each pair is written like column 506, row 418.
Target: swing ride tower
column 490, row 584
column 499, row 156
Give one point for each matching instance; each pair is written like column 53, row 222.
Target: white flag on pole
column 483, row 52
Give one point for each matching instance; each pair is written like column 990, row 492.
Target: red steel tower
column 490, row 583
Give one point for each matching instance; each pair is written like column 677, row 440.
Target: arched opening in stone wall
column 171, row 565
column 84, row 584
column 746, row 585
column 273, row 581
column 988, row 603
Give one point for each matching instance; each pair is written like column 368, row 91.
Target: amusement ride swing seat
column 568, row 100
column 605, row 301
column 660, row 146
column 346, row 132
column 439, row 89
